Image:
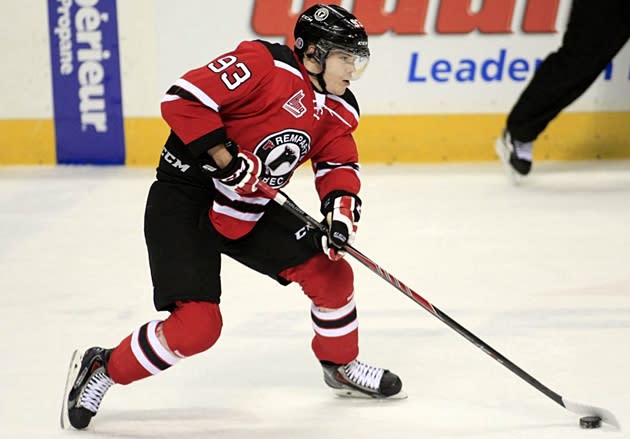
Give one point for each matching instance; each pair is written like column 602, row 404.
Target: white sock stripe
column 137, row 352
column 158, row 347
column 337, row 332
column 333, row 314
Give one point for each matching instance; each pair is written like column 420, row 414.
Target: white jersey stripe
column 198, row 93
column 345, row 104
column 322, row 172
column 288, row 68
column 169, row 98
column 233, row 196
column 337, row 115
column 231, row 212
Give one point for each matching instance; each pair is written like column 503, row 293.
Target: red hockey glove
column 242, row 174
column 245, row 173
column 342, row 211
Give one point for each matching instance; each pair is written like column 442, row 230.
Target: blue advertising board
column 87, row 95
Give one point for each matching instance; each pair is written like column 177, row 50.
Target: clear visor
column 358, row 62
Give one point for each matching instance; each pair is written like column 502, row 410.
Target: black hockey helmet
column 331, row 27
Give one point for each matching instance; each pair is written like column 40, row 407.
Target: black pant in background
column 596, row 31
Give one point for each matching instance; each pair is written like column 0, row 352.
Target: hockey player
column 253, row 114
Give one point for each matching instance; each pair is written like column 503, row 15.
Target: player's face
column 341, row 68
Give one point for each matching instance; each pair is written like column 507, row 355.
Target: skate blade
column 355, row 394
column 73, row 371
column 504, row 157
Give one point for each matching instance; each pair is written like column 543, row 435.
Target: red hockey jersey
column 260, row 96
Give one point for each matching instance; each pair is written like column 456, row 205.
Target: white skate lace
column 364, row 375
column 94, row 390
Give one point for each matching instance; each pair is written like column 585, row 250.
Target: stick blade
column 589, row 410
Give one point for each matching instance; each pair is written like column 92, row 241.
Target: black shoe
column 85, row 387
column 515, row 155
column 361, row 380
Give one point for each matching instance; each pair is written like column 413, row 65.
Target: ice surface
column 540, row 272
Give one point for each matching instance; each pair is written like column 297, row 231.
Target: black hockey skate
column 357, row 379
column 86, row 385
column 516, row 156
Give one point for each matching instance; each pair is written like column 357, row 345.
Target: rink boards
column 381, row 138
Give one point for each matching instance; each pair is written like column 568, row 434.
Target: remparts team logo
column 281, row 153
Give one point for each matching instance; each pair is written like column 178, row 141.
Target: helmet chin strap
column 318, row 76
column 320, row 80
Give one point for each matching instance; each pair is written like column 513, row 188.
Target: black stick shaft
column 453, row 324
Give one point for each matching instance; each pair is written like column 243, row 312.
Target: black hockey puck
column 590, row 422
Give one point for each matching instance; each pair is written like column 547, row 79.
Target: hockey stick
column 575, row 407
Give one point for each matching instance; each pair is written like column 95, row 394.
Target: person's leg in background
column 595, row 33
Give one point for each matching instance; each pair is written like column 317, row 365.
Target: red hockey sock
column 191, row 328
column 139, row 355
column 336, row 334
column 330, row 286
